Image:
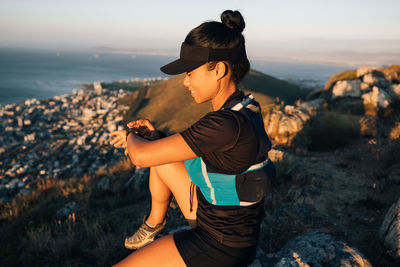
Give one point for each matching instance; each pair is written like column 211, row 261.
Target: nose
column 186, row 81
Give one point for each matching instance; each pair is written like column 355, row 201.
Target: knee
column 166, row 170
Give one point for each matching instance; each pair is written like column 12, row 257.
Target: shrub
column 328, row 131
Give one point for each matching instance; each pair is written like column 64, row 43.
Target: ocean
column 37, row 73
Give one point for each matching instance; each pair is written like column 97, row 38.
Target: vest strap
column 246, row 101
column 258, row 165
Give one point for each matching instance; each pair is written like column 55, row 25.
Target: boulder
column 282, row 127
column 390, row 231
column 375, row 100
column 364, row 87
column 394, row 92
column 376, row 78
column 350, row 88
column 311, row 107
column 316, row 249
column 369, row 79
column 363, row 70
column 391, row 75
column 289, row 126
column 275, row 155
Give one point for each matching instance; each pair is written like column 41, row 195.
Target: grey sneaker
column 143, row 236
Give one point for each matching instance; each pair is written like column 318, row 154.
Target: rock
column 275, row 155
column 395, row 131
column 272, row 123
column 289, row 109
column 311, row 107
column 69, row 208
column 289, row 126
column 364, row 87
column 283, row 127
column 394, row 92
column 316, row 249
column 391, row 75
column 370, row 79
column 363, row 70
column 368, row 125
column 375, row 100
column 104, row 184
column 345, row 88
column 390, row 231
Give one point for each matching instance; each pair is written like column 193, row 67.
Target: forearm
column 136, row 147
column 144, row 153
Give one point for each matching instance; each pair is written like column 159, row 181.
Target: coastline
column 57, row 138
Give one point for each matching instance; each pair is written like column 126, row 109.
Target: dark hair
column 227, row 34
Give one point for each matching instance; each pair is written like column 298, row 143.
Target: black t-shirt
column 228, row 143
column 224, row 139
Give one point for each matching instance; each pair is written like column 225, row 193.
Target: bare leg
column 162, row 252
column 164, row 180
column 160, row 198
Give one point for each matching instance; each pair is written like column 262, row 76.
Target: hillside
column 338, row 175
column 170, row 106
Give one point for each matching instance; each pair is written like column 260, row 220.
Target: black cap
column 192, row 57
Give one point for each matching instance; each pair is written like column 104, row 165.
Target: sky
column 291, row 29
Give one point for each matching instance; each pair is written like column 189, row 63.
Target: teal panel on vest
column 224, row 188
column 223, row 185
column 193, row 167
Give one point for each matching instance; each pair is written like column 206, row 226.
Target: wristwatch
column 131, row 130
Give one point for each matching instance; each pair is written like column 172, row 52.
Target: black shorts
column 198, row 248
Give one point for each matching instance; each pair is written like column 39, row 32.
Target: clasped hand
column 143, row 128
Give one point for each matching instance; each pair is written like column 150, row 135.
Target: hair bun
column 233, row 20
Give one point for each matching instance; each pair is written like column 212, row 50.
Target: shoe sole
column 137, row 246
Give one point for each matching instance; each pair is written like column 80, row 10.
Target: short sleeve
column 217, row 131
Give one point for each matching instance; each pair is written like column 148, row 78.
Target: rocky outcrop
column 345, row 88
column 390, row 231
column 316, row 249
column 283, row 125
column 378, row 89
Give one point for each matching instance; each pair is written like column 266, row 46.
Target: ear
column 221, row 69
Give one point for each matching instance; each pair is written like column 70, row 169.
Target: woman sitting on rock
column 218, row 169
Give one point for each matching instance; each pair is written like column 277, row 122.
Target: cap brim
column 180, row 66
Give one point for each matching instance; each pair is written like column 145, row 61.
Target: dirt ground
column 346, row 193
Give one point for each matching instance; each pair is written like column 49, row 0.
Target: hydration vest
column 248, row 186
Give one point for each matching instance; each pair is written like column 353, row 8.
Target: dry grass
column 32, row 235
column 344, row 75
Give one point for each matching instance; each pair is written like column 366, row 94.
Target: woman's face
column 202, row 84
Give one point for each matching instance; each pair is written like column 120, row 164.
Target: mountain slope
column 169, row 105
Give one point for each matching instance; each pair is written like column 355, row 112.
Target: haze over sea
column 34, row 73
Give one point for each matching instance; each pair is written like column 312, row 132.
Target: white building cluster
column 64, row 136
